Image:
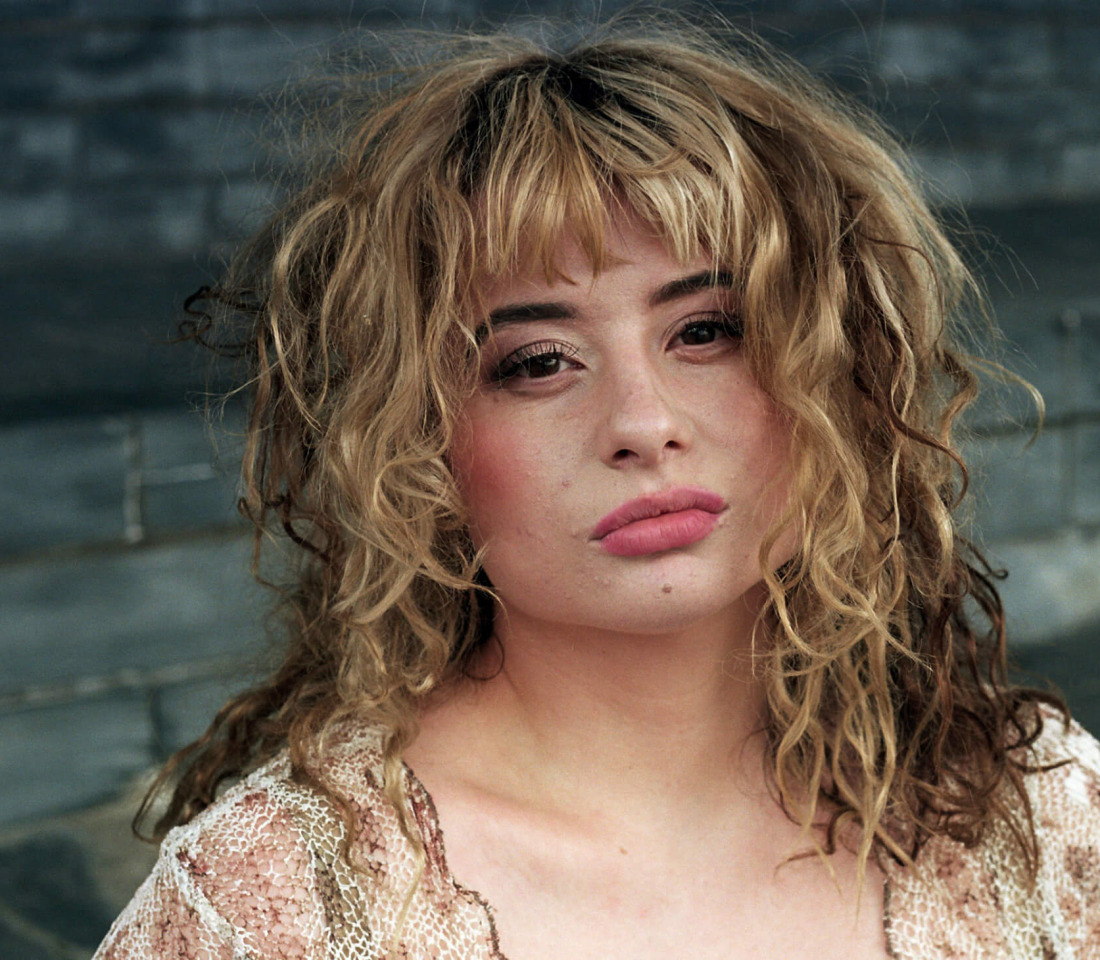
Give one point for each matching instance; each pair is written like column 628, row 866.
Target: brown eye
column 544, row 365
column 700, row 331
column 537, row 361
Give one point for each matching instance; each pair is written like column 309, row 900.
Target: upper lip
column 654, row 504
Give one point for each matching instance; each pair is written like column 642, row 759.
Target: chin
column 662, row 605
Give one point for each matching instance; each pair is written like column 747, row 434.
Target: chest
column 560, row 901
column 542, row 928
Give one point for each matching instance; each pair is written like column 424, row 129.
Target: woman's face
column 618, row 459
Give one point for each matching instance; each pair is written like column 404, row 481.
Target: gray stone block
column 38, row 9
column 869, row 10
column 844, row 53
column 1043, row 116
column 162, row 220
column 241, row 207
column 192, row 499
column 187, row 483
column 147, row 59
column 186, row 710
column 250, row 60
column 61, row 483
column 1078, row 46
column 172, row 439
column 182, row 438
column 1038, row 349
column 1059, row 346
column 1053, row 585
column 1044, row 264
column 35, row 220
column 1018, row 491
column 1071, row 662
column 68, row 623
column 1088, row 395
column 1006, row 119
column 140, row 9
column 46, row 881
column 1086, row 495
column 94, row 336
column 15, row 943
column 171, row 141
column 344, row 10
column 944, row 51
column 1078, row 171
column 71, row 755
column 967, row 177
column 32, row 66
column 36, row 152
column 1054, row 251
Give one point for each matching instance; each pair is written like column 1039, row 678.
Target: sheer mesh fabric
column 976, row 904
column 259, row 875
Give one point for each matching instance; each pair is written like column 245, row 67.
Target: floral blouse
column 260, row 875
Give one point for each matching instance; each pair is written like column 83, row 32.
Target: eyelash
column 510, row 367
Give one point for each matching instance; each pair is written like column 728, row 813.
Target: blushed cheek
column 493, row 476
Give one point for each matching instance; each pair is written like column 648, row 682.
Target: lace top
column 259, row 875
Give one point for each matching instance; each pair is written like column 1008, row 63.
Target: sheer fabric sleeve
column 1067, row 808
column 237, row 882
column 977, row 902
column 164, row 920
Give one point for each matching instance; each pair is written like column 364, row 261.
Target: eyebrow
column 704, row 280
column 557, row 310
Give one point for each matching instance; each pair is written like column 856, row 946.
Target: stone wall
column 130, row 146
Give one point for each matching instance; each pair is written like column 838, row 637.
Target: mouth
column 658, row 522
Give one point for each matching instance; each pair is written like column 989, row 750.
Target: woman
column 607, row 399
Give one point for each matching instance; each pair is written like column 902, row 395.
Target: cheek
column 496, row 469
column 757, row 437
column 774, row 470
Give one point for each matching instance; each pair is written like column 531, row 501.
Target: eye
column 536, row 361
column 707, row 328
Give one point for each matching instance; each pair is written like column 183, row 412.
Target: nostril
column 623, row 454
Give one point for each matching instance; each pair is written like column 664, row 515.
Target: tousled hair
column 884, row 660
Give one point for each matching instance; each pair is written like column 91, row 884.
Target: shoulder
column 270, row 870
column 977, row 901
column 1066, row 809
column 233, row 882
column 237, row 880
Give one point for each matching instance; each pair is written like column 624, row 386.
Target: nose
column 642, row 422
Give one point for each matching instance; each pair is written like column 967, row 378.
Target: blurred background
column 131, row 159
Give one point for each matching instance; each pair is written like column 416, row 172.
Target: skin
column 605, row 790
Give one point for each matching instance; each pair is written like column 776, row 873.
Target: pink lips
column 660, row 521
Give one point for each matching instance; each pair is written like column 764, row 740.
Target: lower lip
column 657, row 534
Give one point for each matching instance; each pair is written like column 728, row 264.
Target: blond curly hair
column 884, row 664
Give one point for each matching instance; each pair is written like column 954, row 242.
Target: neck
column 583, row 714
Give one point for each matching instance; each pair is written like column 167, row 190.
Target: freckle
column 622, row 850
column 667, row 588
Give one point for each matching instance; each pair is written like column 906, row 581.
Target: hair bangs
column 553, row 147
